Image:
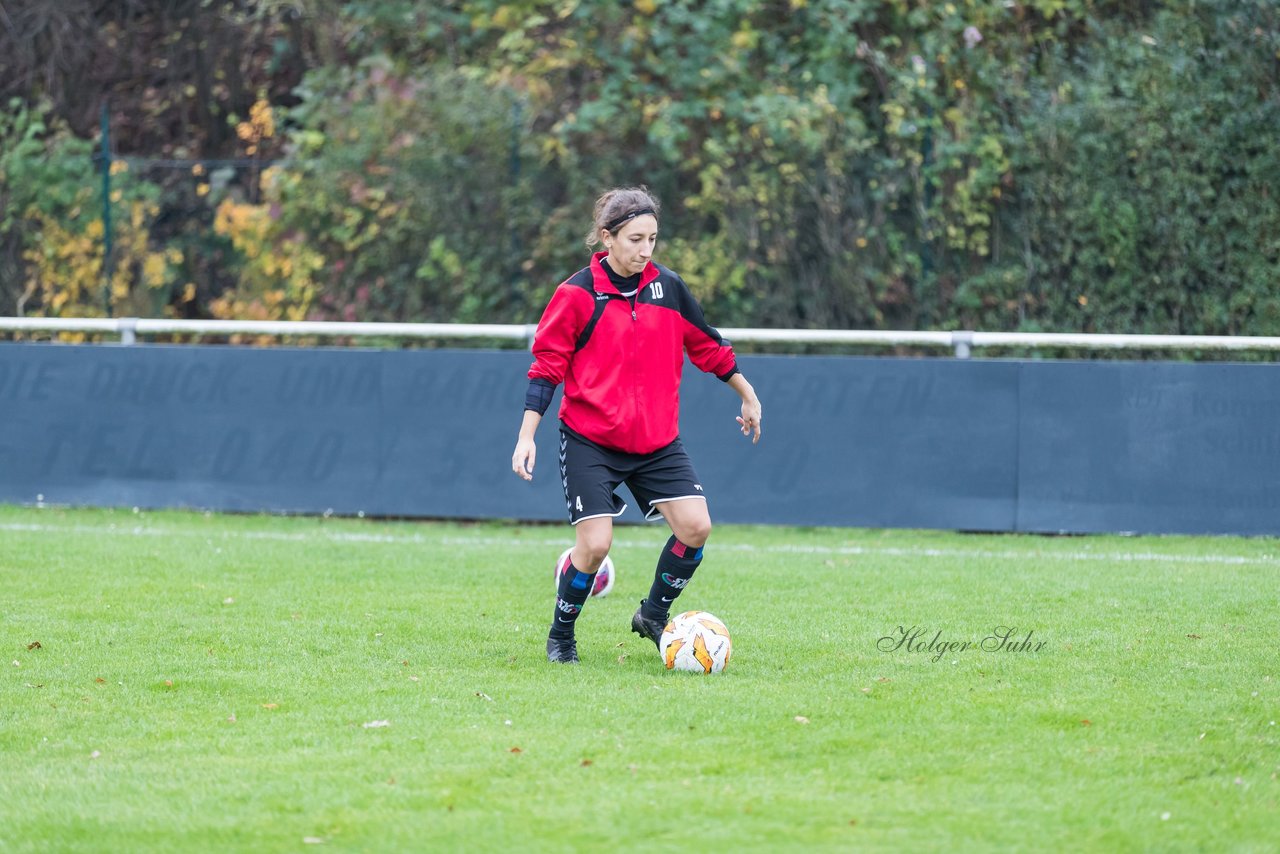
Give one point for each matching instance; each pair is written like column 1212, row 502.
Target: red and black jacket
column 621, row 367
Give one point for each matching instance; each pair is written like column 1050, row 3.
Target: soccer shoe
column 562, row 651
column 645, row 627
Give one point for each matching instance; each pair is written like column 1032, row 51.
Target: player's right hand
column 523, row 458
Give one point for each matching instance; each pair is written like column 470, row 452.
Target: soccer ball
column 696, row 641
column 604, row 575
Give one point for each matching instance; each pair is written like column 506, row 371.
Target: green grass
column 204, row 682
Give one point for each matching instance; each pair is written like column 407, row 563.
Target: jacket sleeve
column 707, row 349
column 557, row 336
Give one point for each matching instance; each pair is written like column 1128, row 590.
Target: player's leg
column 668, row 486
column 589, row 482
column 592, row 540
column 690, row 524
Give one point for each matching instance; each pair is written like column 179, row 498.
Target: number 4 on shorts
column 578, row 502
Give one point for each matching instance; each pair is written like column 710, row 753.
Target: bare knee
column 590, row 550
column 694, row 532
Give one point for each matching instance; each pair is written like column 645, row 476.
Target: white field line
column 489, row 541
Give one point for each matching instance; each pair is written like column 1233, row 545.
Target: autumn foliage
column 1092, row 165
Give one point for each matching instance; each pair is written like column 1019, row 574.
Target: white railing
column 962, row 342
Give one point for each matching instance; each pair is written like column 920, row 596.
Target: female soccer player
column 615, row 333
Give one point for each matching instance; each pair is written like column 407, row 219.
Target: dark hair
column 618, row 207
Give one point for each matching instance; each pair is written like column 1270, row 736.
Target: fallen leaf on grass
column 516, row 750
column 270, row 705
column 483, row 696
column 801, row 719
column 168, row 683
column 586, row 763
column 34, row 645
column 1086, row 722
column 100, row 681
column 1194, row 637
column 375, row 724
column 413, row 678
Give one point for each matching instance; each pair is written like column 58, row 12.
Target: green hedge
column 1059, row 165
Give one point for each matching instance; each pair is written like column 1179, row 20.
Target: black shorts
column 590, row 473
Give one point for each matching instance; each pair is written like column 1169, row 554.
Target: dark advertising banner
column 1149, row 447
column 929, row 443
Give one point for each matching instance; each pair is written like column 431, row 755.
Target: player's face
column 632, row 246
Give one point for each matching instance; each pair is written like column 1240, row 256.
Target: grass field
column 182, row 681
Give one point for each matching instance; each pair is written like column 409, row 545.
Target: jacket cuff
column 539, row 394
column 728, row 375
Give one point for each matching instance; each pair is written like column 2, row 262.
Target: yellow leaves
column 506, row 17
column 646, row 7
column 261, row 118
column 118, row 167
column 155, row 268
column 261, row 125
column 276, row 276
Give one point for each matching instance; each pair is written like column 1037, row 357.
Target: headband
column 625, row 218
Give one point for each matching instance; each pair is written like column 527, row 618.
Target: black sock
column 571, row 595
column 676, row 566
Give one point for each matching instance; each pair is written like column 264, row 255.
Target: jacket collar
column 600, row 279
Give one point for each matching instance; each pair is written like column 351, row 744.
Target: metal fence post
column 106, row 207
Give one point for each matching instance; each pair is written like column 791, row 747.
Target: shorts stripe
column 598, row 515
column 655, row 514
